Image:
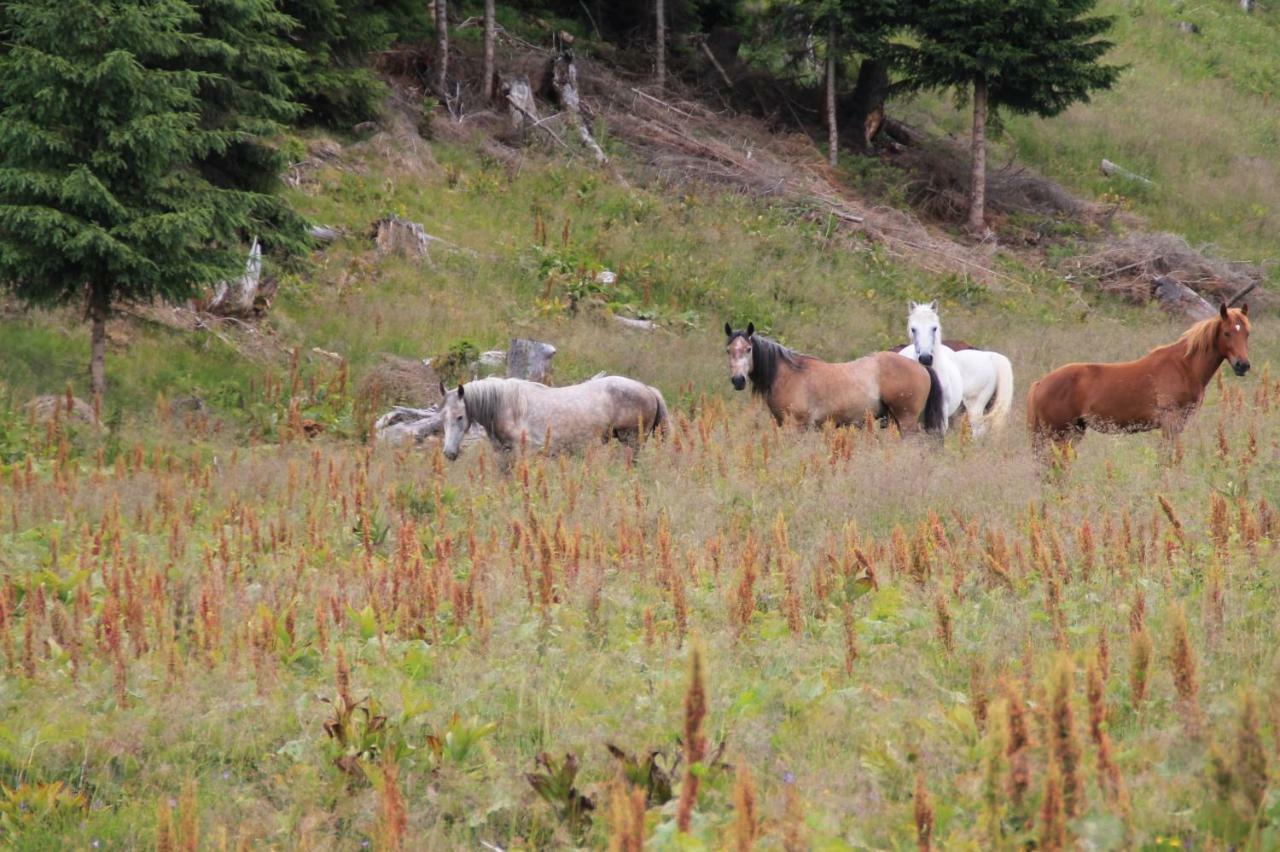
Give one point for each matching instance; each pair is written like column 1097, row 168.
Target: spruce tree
column 104, row 148
column 1027, row 56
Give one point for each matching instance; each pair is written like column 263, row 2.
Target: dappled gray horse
column 516, row 413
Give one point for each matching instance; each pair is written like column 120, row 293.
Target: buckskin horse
column 810, row 392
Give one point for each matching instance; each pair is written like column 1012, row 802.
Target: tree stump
column 394, row 235
column 564, row 83
column 530, row 360
column 523, row 111
column 237, row 298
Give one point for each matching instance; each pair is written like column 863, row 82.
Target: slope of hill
column 220, row 629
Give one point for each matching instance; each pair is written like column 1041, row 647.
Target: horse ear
column 443, row 391
column 1222, row 310
column 1244, row 308
column 460, row 392
column 911, row 306
column 751, row 329
column 728, row 330
column 933, row 306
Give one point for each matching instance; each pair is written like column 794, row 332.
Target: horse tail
column 1002, row 401
column 935, row 414
column 661, row 418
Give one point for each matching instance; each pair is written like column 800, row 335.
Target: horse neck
column 764, row 384
column 1202, row 365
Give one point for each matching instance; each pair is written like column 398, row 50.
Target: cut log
column 1110, row 169
column 1177, row 298
column 530, row 359
column 237, row 298
column 564, row 83
column 394, row 235
column 324, row 233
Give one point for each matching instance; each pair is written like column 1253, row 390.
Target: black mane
column 766, row 355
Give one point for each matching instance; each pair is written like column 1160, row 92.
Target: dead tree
column 1177, row 298
column 865, row 115
column 978, row 175
column 564, row 85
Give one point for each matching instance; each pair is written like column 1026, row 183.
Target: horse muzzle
column 451, row 455
column 739, row 382
column 926, row 359
column 1241, row 367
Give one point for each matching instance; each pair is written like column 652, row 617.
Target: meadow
column 329, row 645
column 228, row 619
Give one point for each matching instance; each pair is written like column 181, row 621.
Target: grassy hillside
column 217, row 633
column 1194, row 113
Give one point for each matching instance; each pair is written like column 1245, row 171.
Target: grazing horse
column 981, row 380
column 811, row 391
column 1158, row 391
column 516, row 413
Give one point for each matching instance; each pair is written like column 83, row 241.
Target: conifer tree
column 1027, row 56
column 106, row 154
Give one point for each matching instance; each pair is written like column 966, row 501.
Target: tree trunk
column 833, row 128
column 530, row 360
column 660, row 43
column 442, row 47
column 99, row 310
column 978, row 176
column 490, row 25
column 866, row 117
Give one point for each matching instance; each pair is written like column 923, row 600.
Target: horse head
column 1232, row 340
column 453, row 412
column 740, row 358
column 925, row 330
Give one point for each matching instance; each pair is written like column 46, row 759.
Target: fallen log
column 1177, row 298
column 1110, row 169
column 636, row 324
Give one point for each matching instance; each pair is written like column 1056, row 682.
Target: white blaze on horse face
column 454, row 412
column 925, row 330
column 740, row 361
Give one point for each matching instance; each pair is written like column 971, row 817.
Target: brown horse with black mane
column 810, row 391
column 1158, row 391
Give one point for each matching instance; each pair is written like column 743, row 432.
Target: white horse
column 976, row 378
column 516, row 413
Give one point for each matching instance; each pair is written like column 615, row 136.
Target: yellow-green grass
column 1195, row 114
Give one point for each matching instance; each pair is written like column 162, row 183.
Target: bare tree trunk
column 833, row 129
column 490, row 25
column 442, row 47
column 99, row 310
column 660, row 42
column 866, row 116
column 978, row 175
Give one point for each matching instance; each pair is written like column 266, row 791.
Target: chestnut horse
column 1158, row 391
column 810, row 391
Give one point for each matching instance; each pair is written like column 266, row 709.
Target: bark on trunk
column 99, row 310
column 490, row 26
column 833, row 128
column 660, row 43
column 978, row 176
column 442, row 47
column 866, row 117
column 530, row 360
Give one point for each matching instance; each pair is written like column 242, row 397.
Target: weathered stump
column 530, row 360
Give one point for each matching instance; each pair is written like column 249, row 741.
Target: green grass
column 233, row 561
column 1193, row 113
